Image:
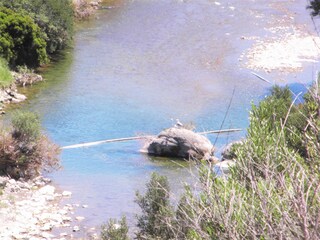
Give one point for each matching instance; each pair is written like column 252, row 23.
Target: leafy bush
column 24, row 151
column 54, row 17
column 156, row 210
column 21, row 40
column 6, row 78
column 114, row 230
column 26, row 126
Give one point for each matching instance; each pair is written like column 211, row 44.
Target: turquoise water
column 131, row 70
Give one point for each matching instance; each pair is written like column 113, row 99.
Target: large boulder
column 180, row 143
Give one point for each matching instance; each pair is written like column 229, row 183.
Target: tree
column 54, row 17
column 156, row 210
column 21, row 40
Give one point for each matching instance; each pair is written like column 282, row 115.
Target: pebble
column 27, row 209
column 79, row 218
column 63, row 234
column 76, row 229
column 66, row 193
column 46, row 227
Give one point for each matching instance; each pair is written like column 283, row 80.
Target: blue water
column 131, row 70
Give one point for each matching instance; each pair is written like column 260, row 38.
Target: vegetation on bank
column 24, row 150
column 273, row 191
column 6, row 78
column 33, row 30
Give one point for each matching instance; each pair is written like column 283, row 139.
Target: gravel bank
column 31, row 210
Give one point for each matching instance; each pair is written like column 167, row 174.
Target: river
column 135, row 67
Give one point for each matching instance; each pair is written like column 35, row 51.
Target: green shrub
column 156, row 210
column 21, row 40
column 114, row 230
column 6, row 78
column 26, row 126
column 54, row 17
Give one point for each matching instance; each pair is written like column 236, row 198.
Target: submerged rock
column 180, row 143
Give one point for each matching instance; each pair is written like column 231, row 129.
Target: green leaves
column 47, row 23
column 22, row 42
column 5, row 75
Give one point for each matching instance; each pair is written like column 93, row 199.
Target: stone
column 46, row 235
column 63, row 234
column 46, row 227
column 181, row 143
column 223, row 167
column 12, row 181
column 66, row 193
column 47, row 190
column 76, row 229
column 17, row 97
column 79, row 218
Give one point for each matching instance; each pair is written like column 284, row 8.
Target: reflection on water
column 133, row 69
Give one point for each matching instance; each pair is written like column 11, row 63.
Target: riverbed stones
column 180, row 143
column 30, row 209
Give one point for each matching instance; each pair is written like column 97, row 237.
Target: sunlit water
column 134, row 68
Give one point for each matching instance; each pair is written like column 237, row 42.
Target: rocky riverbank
column 31, row 210
column 11, row 95
column 85, row 8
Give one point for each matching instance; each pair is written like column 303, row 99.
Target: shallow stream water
column 135, row 67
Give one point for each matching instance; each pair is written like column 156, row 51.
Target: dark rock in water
column 228, row 151
column 180, row 143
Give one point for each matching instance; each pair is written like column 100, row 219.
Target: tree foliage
column 114, row 230
column 52, row 21
column 156, row 209
column 21, row 40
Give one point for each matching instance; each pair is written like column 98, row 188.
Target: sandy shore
column 32, row 209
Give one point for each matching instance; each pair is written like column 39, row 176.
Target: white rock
column 12, row 181
column 85, row 206
column 223, row 166
column 47, row 235
column 63, row 212
column 46, row 227
column 66, row 193
column 79, row 218
column 76, row 229
column 47, row 190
